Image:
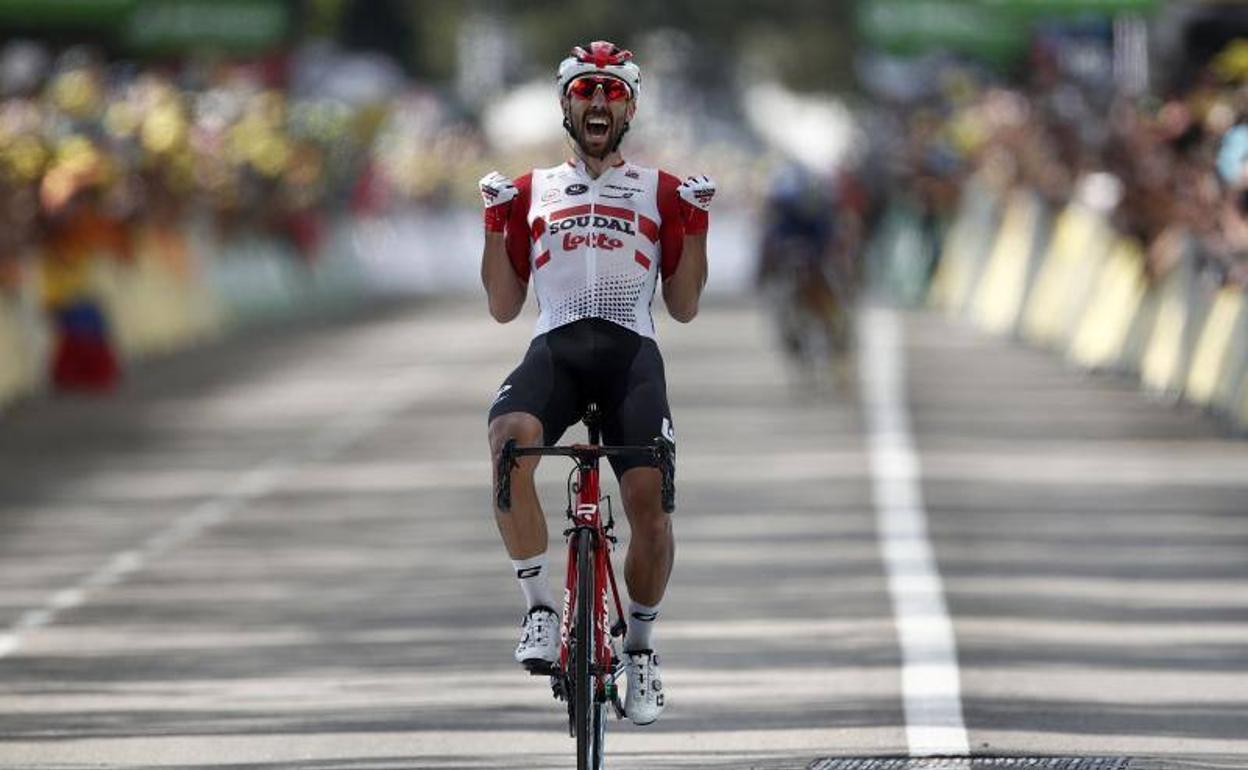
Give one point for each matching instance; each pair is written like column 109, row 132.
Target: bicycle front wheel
column 588, row 712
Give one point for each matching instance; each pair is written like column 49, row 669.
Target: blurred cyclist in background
column 805, row 273
column 594, row 235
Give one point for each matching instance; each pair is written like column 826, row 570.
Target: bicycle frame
column 586, row 522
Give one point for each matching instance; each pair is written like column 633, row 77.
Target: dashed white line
column 931, row 685
column 392, row 395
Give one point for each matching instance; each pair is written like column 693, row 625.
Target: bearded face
column 597, row 123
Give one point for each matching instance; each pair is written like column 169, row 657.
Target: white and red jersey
column 595, row 248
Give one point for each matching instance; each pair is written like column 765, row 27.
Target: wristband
column 696, row 221
column 495, row 218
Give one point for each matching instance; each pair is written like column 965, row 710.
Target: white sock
column 533, row 581
column 641, row 620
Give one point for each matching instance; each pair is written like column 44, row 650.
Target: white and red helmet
column 599, row 58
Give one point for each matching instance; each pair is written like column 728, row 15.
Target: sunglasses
column 612, row 88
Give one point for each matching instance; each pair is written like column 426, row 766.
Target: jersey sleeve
column 671, row 231
column 519, row 239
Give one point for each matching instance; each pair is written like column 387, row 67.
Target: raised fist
column 497, row 192
column 696, row 194
column 697, row 191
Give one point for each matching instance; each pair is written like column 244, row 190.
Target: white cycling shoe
column 539, row 641
column 644, row 701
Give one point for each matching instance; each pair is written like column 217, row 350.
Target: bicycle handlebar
column 662, row 455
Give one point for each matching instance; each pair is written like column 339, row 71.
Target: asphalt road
column 278, row 553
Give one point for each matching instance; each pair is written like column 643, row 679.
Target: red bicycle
column 589, row 664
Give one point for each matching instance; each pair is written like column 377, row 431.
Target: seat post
column 591, row 420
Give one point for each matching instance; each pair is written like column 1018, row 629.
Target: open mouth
column 597, row 126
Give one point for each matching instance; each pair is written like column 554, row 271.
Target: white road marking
column 532, row 749
column 393, row 394
column 930, row 682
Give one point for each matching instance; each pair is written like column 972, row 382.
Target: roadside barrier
column 179, row 289
column 1070, row 283
column 966, row 247
column 903, row 253
column 21, row 348
column 159, row 302
column 998, row 297
column 1066, row 276
column 1104, row 327
column 1183, row 301
column 1215, row 346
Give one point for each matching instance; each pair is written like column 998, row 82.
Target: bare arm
column 682, row 291
column 503, row 288
column 505, row 205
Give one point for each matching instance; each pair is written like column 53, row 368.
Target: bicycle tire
column 586, row 713
column 600, row 735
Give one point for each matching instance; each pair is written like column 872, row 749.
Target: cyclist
column 593, row 235
column 801, row 271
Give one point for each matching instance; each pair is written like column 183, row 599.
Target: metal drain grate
column 970, row 763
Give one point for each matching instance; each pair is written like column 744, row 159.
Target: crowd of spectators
column 260, row 145
column 1176, row 165
column 118, row 146
column 103, row 159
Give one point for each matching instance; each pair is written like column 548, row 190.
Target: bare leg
column 651, row 546
column 523, row 528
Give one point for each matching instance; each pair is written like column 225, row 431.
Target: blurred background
column 245, row 361
column 1070, row 171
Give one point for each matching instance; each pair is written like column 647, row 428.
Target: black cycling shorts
column 592, row 360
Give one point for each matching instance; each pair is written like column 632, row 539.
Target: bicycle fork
column 587, row 522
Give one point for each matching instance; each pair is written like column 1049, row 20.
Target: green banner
column 52, row 13
column 1048, row 8
column 160, row 25
column 996, row 30
column 918, row 26
column 172, row 25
